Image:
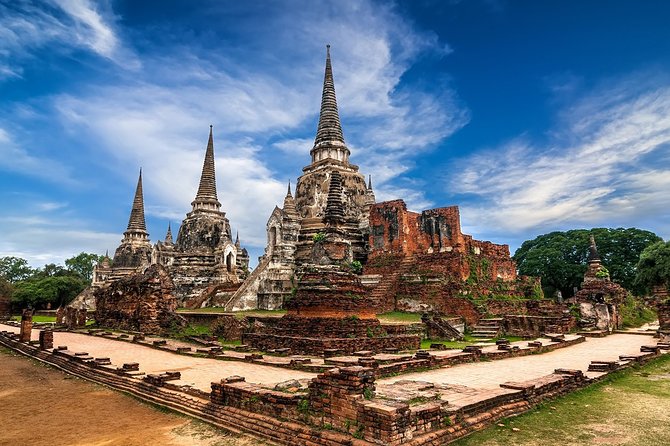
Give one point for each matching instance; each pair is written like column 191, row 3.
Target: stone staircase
column 248, row 282
column 487, row 328
column 387, row 281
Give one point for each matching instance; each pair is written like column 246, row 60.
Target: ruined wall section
column 427, row 264
column 140, row 302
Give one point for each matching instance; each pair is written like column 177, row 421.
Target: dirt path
column 40, row 405
column 195, row 371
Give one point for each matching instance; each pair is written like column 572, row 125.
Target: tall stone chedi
column 204, row 257
column 204, row 264
column 293, row 229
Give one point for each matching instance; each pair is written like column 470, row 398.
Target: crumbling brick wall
column 5, row 307
column 141, row 302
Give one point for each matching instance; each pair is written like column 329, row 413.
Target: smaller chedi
column 599, row 298
column 204, row 264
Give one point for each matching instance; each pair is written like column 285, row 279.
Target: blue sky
column 532, row 116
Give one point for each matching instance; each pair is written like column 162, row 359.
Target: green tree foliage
column 15, row 269
column 654, row 266
column 560, row 258
column 83, row 264
column 37, row 292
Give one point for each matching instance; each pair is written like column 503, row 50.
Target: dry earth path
column 196, row 372
column 42, row 406
column 489, row 375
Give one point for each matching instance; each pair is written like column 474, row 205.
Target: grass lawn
column 468, row 340
column 37, row 318
column 629, row 408
column 238, row 314
column 395, row 317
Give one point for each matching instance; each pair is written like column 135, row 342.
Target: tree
column 560, row 258
column 15, row 269
column 653, row 269
column 83, row 264
column 40, row 291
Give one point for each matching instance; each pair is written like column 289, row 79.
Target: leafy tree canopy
column 15, row 269
column 83, row 264
column 560, row 258
column 54, row 290
column 654, row 266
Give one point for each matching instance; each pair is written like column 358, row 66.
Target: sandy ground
column 197, row 372
column 40, row 405
column 489, row 375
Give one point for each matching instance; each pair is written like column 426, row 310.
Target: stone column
column 26, row 325
column 660, row 293
column 46, row 340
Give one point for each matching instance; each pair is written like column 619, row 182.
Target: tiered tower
column 135, row 248
column 205, row 254
column 331, row 196
column 330, row 155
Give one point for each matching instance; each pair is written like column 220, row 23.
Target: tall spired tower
column 135, row 248
column 330, row 154
column 331, row 196
column 205, row 254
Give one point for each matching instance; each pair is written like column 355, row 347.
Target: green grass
column 37, row 318
column 399, row 316
column 468, row 340
column 635, row 313
column 238, row 314
column 627, row 408
column 191, row 330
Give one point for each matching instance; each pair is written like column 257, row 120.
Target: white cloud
column 596, row 169
column 29, row 26
column 159, row 120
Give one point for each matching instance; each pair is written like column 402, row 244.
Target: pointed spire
column 136, row 222
column 334, row 212
column 168, row 235
column 237, row 239
column 289, row 203
column 206, row 197
column 593, row 251
column 105, row 260
column 329, row 134
column 369, row 182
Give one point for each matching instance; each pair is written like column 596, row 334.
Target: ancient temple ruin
column 397, row 247
column 293, row 229
column 204, row 263
column 599, row 298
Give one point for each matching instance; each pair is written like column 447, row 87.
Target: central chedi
column 293, row 229
column 329, row 308
column 315, row 243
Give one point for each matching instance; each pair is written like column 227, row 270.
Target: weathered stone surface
column 141, row 302
column 26, row 325
column 204, row 255
column 5, row 307
column 599, row 298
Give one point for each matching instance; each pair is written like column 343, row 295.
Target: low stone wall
column 316, row 346
column 533, row 326
column 340, row 407
column 663, row 310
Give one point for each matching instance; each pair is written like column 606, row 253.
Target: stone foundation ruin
column 140, row 302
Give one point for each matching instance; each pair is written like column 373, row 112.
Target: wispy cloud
column 596, row 167
column 265, row 113
column 27, row 26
